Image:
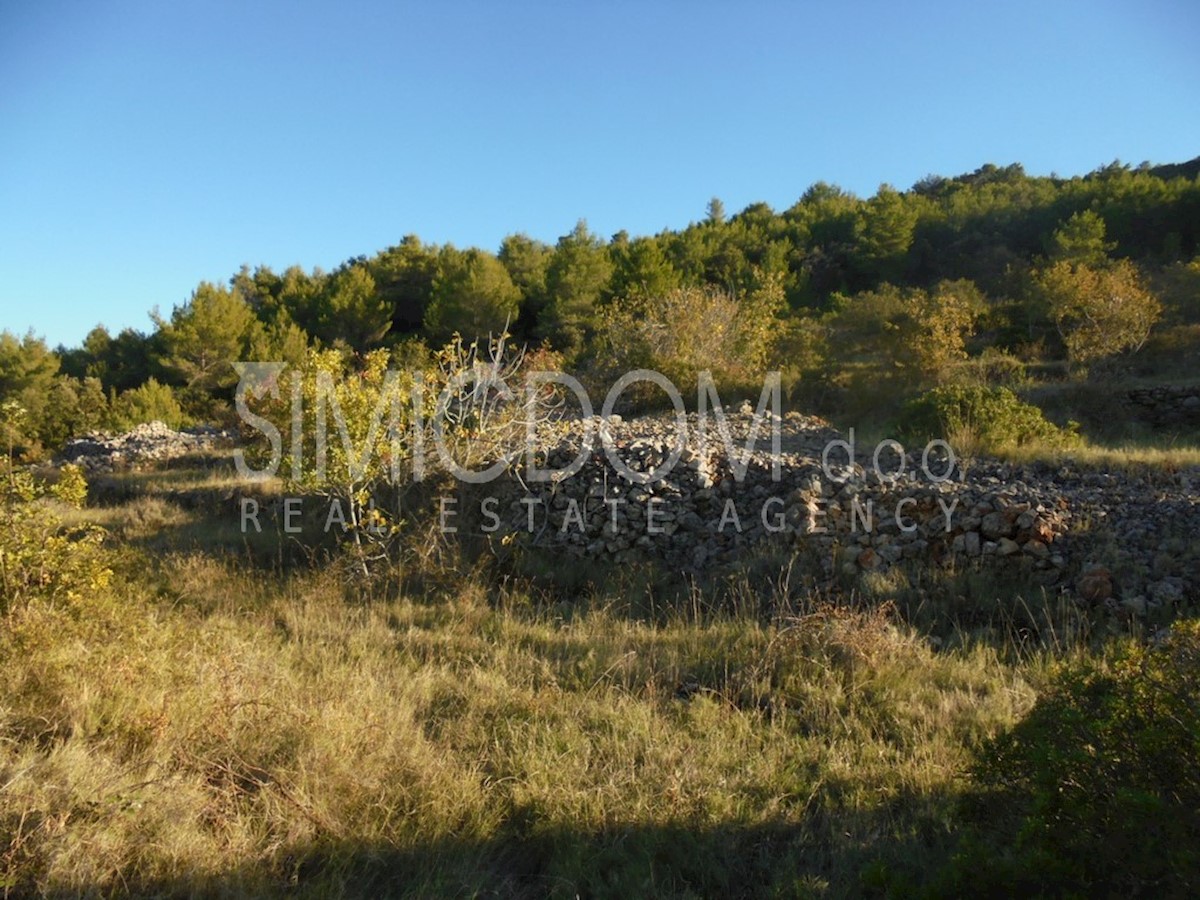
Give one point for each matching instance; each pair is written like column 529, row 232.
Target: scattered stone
column 148, row 443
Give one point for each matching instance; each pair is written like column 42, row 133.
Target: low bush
column 690, row 330
column 150, row 402
column 983, row 418
column 1098, row 789
column 41, row 558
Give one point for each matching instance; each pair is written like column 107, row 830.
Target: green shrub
column 1098, row 789
column 150, row 402
column 41, row 558
column 985, row 418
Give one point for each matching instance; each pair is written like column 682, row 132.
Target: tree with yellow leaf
column 1099, row 312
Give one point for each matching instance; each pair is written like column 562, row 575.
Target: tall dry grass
column 206, row 729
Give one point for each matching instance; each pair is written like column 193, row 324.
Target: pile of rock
column 152, row 442
column 1167, row 406
column 628, row 501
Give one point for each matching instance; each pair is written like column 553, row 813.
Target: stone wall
column 1167, row 407
column 1097, row 535
column 1128, row 541
column 146, row 444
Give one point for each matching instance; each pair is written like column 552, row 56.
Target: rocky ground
column 147, row 444
column 1130, row 542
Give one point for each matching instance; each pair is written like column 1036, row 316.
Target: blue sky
column 147, row 146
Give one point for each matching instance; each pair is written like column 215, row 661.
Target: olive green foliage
column 370, row 426
column 1098, row 789
column 1080, row 240
column 151, row 402
column 885, row 232
column 28, row 370
column 576, row 278
column 42, row 560
column 919, row 334
column 689, row 330
column 75, row 406
column 353, row 310
column 945, row 320
column 120, row 362
column 641, row 269
column 205, row 336
column 356, row 428
column 995, row 367
column 404, row 281
column 1099, row 312
column 473, row 295
column 302, row 296
column 53, row 406
column 897, row 291
column 973, row 417
column 526, row 261
column 1178, row 287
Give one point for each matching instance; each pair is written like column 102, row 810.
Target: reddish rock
column 1095, row 585
column 869, row 559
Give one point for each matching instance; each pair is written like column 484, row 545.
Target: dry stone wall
column 1167, row 407
column 146, row 444
column 1124, row 541
column 1127, row 542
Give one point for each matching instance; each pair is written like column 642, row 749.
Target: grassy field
column 218, row 720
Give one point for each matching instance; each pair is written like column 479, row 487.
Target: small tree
column 944, row 320
column 973, row 417
column 28, row 369
column 367, row 431
column 688, row 330
column 78, row 405
column 150, row 402
column 353, row 309
column 920, row 335
column 1080, row 240
column 354, row 435
column 1099, row 312
column 578, row 273
column 42, row 558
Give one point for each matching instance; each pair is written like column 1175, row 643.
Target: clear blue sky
column 145, row 146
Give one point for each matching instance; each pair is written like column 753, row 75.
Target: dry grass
column 1133, row 458
column 218, row 722
column 204, row 728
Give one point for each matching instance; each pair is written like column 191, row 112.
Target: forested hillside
column 757, row 677
column 992, row 275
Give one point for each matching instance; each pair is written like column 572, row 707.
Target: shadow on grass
column 859, row 854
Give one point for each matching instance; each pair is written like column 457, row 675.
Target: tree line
column 994, row 264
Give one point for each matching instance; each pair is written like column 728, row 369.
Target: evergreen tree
column 205, row 336
column 1080, row 241
column 526, row 261
column 353, row 311
column 473, row 296
column 404, row 281
column 576, row 278
column 642, row 269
